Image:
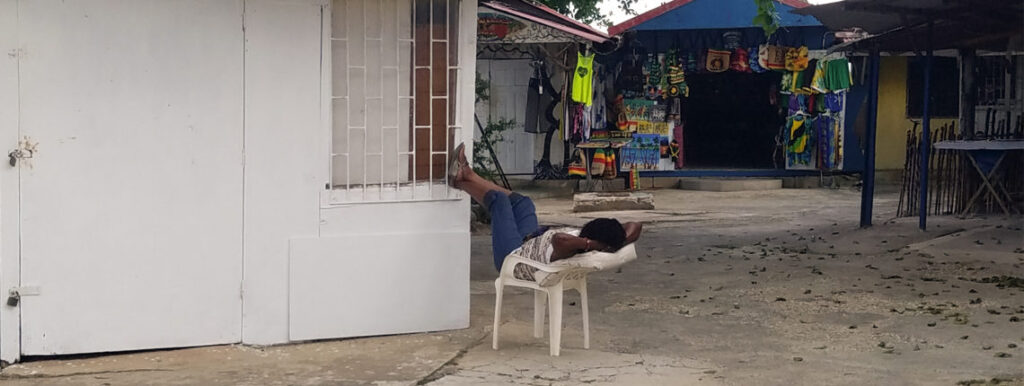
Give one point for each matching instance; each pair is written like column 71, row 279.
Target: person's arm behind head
column 633, row 230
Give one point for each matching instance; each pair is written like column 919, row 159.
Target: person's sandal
column 453, row 163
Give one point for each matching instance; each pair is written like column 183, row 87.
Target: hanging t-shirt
column 837, row 74
column 818, row 81
column 582, row 79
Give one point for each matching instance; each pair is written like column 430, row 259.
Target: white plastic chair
column 550, row 282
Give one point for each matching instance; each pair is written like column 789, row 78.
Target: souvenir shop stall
column 699, row 89
column 527, row 59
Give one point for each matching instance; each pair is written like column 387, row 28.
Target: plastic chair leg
column 498, row 287
column 582, row 288
column 555, row 322
column 539, row 303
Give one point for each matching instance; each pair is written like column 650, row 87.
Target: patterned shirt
column 538, row 249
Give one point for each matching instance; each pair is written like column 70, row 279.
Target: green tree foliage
column 767, row 18
column 586, row 10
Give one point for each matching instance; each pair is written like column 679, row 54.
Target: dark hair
column 606, row 230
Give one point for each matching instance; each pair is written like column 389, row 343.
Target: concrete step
column 538, row 189
column 611, row 201
column 729, row 184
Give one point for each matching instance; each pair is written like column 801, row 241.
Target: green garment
column 837, row 75
column 583, row 79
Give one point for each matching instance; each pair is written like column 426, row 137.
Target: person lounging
column 514, row 227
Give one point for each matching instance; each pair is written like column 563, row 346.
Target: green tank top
column 582, row 79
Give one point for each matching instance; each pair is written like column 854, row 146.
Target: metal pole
column 926, row 144
column 867, row 194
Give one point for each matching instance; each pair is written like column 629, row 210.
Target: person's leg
column 477, row 187
column 525, row 213
column 505, row 235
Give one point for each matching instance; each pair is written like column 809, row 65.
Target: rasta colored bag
column 797, row 59
column 609, row 169
column 739, row 61
column 718, row 61
column 598, row 164
column 772, row 57
column 578, row 166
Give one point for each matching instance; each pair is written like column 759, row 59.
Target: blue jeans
column 513, row 217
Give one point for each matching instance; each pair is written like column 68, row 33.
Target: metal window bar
column 374, row 32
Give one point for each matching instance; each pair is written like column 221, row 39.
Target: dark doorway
column 731, row 120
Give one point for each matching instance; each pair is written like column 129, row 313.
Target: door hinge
column 15, row 294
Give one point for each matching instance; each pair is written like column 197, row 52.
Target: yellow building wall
column 893, row 123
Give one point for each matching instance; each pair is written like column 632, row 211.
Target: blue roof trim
column 717, row 14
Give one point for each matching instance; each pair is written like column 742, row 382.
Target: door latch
column 15, row 294
column 18, row 154
column 26, row 149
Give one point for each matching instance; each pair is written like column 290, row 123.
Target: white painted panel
column 9, row 257
column 399, row 217
column 509, row 80
column 282, row 154
column 372, row 284
column 132, row 206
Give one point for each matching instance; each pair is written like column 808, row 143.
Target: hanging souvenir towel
column 799, row 134
column 772, row 57
column 755, row 62
column 718, row 61
column 739, row 61
column 797, row 59
column 583, row 78
column 818, row 81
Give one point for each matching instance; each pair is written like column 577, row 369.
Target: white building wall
column 412, row 258
column 284, row 159
column 389, row 267
column 9, row 215
column 131, row 207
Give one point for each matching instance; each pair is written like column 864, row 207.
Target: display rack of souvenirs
column 816, row 121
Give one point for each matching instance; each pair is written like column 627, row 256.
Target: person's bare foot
column 463, row 175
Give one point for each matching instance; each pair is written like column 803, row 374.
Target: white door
column 131, row 211
column 510, row 80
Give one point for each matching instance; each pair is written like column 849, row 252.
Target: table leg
column 977, row 193
column 1007, row 196
column 986, row 184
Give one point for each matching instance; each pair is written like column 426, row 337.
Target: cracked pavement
column 770, row 288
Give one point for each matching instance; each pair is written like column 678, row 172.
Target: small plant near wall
column 767, row 17
column 483, row 89
column 492, row 134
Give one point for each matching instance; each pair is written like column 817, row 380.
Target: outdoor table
column 991, row 153
column 613, row 144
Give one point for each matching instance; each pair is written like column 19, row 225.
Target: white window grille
column 394, row 70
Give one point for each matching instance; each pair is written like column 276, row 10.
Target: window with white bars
column 394, row 70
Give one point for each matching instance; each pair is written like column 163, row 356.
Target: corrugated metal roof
column 901, row 25
column 541, row 14
column 710, row 14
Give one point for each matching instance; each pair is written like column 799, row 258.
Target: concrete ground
column 772, row 287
